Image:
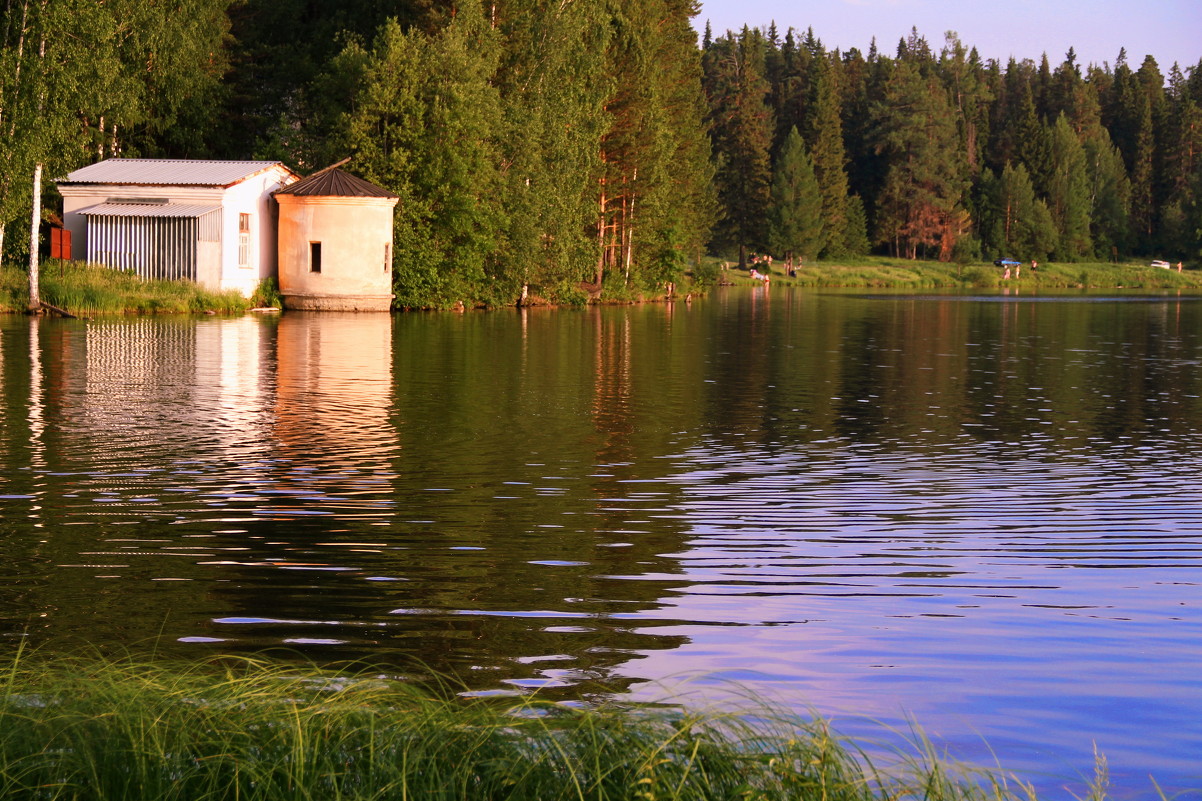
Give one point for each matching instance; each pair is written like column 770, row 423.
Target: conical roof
column 334, row 183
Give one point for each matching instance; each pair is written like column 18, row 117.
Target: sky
column 1168, row 30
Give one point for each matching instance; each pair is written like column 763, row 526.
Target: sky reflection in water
column 981, row 514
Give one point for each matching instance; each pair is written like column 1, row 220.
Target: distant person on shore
column 1178, row 266
column 1006, row 275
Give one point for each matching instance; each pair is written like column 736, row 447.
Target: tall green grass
column 86, row 289
column 79, row 728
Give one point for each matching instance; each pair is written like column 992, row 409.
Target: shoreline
column 90, row 291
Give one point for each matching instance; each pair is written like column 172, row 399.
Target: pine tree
column 921, row 205
column 1182, row 154
column 865, row 167
column 1015, row 207
column 963, row 72
column 796, row 218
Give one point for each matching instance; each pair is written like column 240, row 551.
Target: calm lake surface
column 982, row 513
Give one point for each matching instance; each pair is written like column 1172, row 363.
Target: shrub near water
column 247, row 729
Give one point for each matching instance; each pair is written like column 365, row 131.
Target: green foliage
column 1017, row 224
column 267, row 295
column 1110, row 196
column 424, row 123
column 553, row 85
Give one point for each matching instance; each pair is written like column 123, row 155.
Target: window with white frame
column 243, row 240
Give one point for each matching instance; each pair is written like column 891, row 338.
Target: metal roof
column 334, row 183
column 169, row 172
column 148, row 210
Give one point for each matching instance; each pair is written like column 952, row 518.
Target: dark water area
column 983, row 513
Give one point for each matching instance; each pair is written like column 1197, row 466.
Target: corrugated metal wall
column 152, row 247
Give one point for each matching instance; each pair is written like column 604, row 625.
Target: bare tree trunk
column 35, row 297
column 601, row 236
column 630, row 228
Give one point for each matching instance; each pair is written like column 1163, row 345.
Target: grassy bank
column 86, row 290
column 881, row 272
column 244, row 729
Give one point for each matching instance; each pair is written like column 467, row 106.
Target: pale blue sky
column 1169, row 30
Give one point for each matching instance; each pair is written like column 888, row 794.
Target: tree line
column 567, row 148
column 944, row 155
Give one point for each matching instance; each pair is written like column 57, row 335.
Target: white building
column 212, row 222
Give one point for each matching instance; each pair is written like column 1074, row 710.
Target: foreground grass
column 89, row 289
column 247, row 729
column 881, row 272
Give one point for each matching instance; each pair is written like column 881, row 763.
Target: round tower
column 335, row 243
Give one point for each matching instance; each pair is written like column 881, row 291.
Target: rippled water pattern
column 984, row 513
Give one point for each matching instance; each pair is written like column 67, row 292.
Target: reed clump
column 87, row 289
column 77, row 728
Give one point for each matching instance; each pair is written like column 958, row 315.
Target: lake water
column 980, row 513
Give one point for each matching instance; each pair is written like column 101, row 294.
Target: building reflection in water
column 334, row 390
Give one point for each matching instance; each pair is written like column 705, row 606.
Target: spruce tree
column 796, row 228
column 1015, row 207
column 1109, row 197
column 1068, row 193
column 1143, row 172
column 856, row 235
column 826, row 134
column 742, row 125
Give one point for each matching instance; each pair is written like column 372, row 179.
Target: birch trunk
column 35, row 297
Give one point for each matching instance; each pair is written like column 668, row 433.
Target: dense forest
column 565, row 148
